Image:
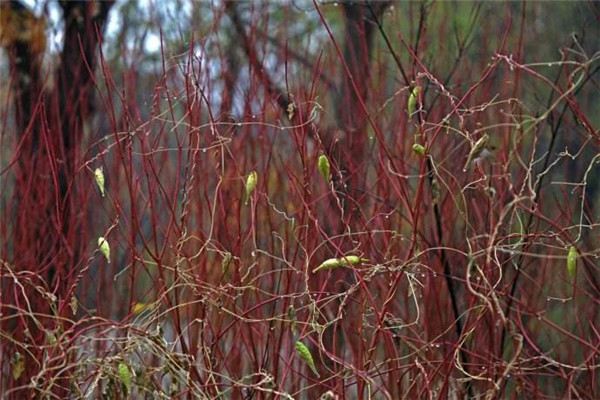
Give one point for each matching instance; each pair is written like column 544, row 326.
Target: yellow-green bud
column 125, row 375
column 345, row 261
column 324, row 168
column 305, row 355
column 411, row 106
column 419, row 149
column 99, row 177
column 251, row 182
column 572, row 261
column 104, row 248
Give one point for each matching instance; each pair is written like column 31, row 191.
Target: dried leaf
column 140, row 307
column 291, row 313
column 18, row 365
column 435, row 191
column 74, row 305
column 329, row 395
column 476, row 150
column 227, row 257
column 51, row 338
column 291, row 110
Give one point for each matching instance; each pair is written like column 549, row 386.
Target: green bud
column 125, row 375
column 324, row 168
column 572, row 261
column 251, row 182
column 419, row 149
column 345, row 261
column 104, row 248
column 411, row 106
column 305, row 355
column 99, row 177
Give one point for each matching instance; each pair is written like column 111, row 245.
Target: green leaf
column 572, row 261
column 104, row 248
column 345, row 261
column 99, row 178
column 324, row 168
column 305, row 355
column 251, row 182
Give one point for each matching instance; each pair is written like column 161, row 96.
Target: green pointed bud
column 104, row 248
column 251, row 182
column 125, row 375
column 411, row 106
column 419, row 149
column 305, row 355
column 332, row 263
column 572, row 261
column 99, row 177
column 324, row 168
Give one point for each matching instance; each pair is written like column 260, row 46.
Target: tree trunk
column 44, row 214
column 353, row 93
